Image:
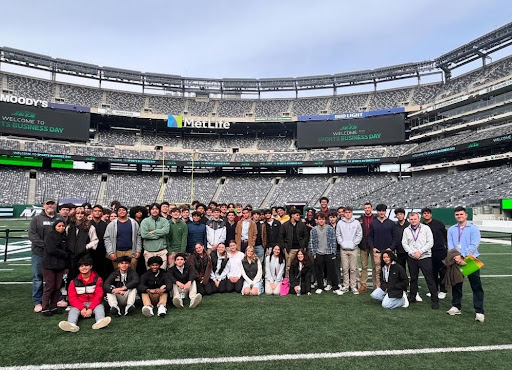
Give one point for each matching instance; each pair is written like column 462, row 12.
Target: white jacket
column 349, row 233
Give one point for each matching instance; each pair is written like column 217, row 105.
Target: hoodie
column 349, row 233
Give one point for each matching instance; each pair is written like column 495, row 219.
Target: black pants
column 220, row 289
column 439, row 269
column 329, row 260
column 425, row 265
column 236, row 287
column 204, row 289
column 478, row 293
column 401, row 259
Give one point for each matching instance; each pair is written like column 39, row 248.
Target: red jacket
column 95, row 298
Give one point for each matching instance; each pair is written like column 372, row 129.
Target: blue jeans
column 260, row 252
column 381, row 296
column 37, row 279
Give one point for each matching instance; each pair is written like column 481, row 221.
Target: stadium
column 168, row 137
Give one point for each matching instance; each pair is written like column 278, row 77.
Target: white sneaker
column 453, row 311
column 406, row 300
column 479, row 317
column 177, row 302
column 338, row 292
column 102, row 323
column 318, row 291
column 355, row 291
column 441, row 295
column 68, row 326
column 328, row 287
column 418, row 298
column 197, row 299
column 68, row 308
column 428, row 295
column 147, row 311
column 162, row 311
column 38, row 308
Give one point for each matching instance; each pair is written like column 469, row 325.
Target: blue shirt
column 124, row 236
column 468, row 237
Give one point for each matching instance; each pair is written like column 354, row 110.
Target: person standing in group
column 82, row 240
column 324, row 205
column 270, row 231
column 382, row 237
column 333, row 221
column 439, row 250
column 261, row 233
column 230, row 226
column 245, row 232
column 164, row 210
column 196, row 232
column 366, row 251
column 293, row 236
column 401, row 225
column 465, row 237
column 177, row 237
column 185, row 214
column 417, row 241
column 215, row 231
column 40, row 226
column 282, row 217
column 99, row 256
column 349, row 234
column 322, row 243
column 154, row 231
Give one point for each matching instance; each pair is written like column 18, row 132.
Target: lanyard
column 415, row 232
column 461, row 230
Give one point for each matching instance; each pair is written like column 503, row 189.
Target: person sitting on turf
column 153, row 288
column 394, row 282
column 121, row 287
column 300, row 274
column 202, row 263
column 85, row 296
column 274, row 271
column 251, row 273
column 219, row 273
column 181, row 279
column 55, row 260
column 234, row 266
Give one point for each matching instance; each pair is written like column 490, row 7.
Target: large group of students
column 88, row 254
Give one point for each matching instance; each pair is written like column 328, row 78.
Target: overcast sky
column 265, row 38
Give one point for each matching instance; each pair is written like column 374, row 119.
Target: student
column 177, row 237
column 82, row 239
column 154, row 231
column 274, row 271
column 121, row 287
column 300, row 274
column 393, row 283
column 293, row 236
column 234, row 266
column 349, row 234
column 85, row 296
column 230, row 226
column 153, row 288
column 201, row 262
column 196, row 232
column 219, row 273
column 251, row 273
column 55, row 260
column 215, row 231
column 246, row 231
column 181, row 279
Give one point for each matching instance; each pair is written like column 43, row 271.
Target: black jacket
column 286, row 235
column 399, row 235
column 302, row 278
column 440, row 235
column 148, row 280
column 174, row 275
column 230, row 233
column 398, row 281
column 272, row 233
column 55, row 256
column 77, row 241
column 114, row 280
column 364, row 241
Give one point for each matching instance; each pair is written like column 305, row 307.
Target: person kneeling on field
column 181, row 277
column 274, row 271
column 394, row 282
column 121, row 287
column 251, row 273
column 85, row 296
column 153, row 288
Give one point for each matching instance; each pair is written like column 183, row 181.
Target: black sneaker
column 47, row 313
column 114, row 311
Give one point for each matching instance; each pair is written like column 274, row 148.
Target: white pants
column 126, row 299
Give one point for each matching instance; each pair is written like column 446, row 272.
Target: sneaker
column 102, row 323
column 428, row 295
column 435, row 305
column 68, row 326
column 162, row 311
column 406, row 300
column 338, row 292
column 453, row 311
column 363, row 288
column 479, row 317
column 318, row 291
column 47, row 313
column 178, row 303
column 115, row 311
column 197, row 299
column 147, row 311
column 38, row 308
column 129, row 309
column 68, row 308
column 355, row 291
column 418, row 298
column 441, row 295
column 328, row 287
column 344, row 290
column 62, row 303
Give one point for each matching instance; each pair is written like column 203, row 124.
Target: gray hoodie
column 349, row 233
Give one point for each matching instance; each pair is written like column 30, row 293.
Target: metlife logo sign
column 181, row 122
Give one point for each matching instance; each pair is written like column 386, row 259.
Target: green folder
column 472, row 265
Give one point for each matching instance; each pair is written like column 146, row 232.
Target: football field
column 230, row 331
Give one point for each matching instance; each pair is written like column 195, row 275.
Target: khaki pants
column 133, row 264
column 289, row 258
column 161, row 253
column 152, row 299
column 126, row 299
column 191, row 293
column 364, row 268
column 349, row 263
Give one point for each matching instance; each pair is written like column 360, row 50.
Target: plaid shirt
column 331, row 240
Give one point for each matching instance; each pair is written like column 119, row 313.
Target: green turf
column 232, row 325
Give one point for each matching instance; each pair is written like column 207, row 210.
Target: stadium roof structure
column 478, row 48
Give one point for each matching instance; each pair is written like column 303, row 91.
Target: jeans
column 37, row 279
column 260, row 252
column 381, row 296
column 74, row 313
